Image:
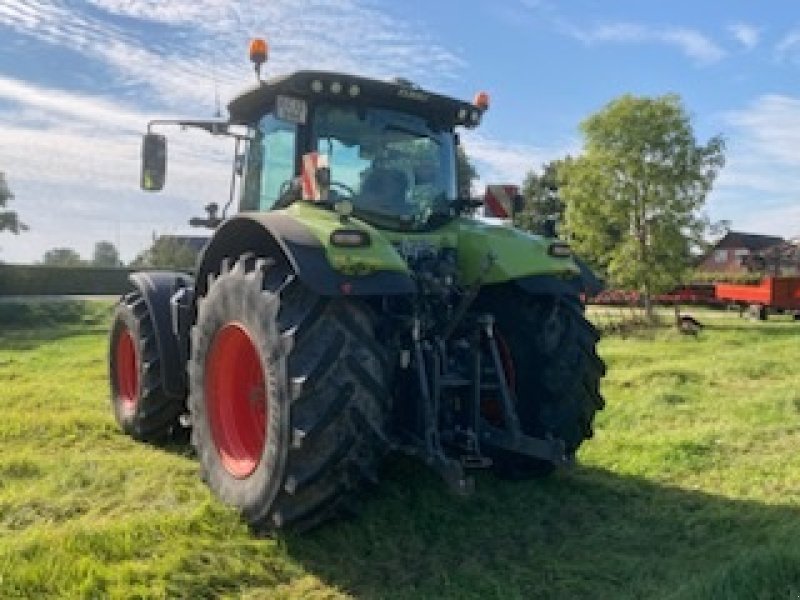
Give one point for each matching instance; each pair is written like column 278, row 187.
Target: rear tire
column 317, row 376
column 141, row 407
column 557, row 373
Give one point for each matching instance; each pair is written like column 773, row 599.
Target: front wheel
column 287, row 396
column 141, row 407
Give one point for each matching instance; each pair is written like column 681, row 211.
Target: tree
column 62, row 257
column 106, row 255
column 166, row 253
column 466, row 173
column 8, row 218
column 543, row 201
column 633, row 199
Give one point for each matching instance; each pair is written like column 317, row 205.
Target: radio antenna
column 217, row 107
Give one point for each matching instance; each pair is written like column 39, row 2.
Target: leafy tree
column 166, row 253
column 106, row 255
column 543, row 201
column 466, row 173
column 62, row 257
column 8, row 218
column 633, row 199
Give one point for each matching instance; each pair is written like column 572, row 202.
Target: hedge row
column 32, row 280
column 711, row 277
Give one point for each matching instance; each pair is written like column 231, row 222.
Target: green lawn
column 690, row 489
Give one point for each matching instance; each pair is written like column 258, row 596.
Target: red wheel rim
column 237, row 399
column 490, row 405
column 508, row 361
column 127, row 370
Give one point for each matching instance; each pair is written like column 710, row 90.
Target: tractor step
column 476, row 462
column 454, row 381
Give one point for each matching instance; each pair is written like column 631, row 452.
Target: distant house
column 735, row 253
column 780, row 260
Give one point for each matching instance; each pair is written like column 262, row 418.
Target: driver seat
column 385, row 186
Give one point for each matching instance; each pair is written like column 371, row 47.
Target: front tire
column 141, row 407
column 287, row 395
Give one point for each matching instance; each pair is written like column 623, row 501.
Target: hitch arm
column 448, row 469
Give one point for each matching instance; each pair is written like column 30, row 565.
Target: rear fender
column 585, row 285
column 158, row 288
column 289, row 242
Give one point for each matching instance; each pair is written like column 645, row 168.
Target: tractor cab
column 387, row 148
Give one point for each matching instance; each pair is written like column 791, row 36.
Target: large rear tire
column 141, row 407
column 287, row 397
column 557, row 372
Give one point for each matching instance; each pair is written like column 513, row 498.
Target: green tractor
column 353, row 307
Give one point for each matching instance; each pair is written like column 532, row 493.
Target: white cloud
column 788, row 46
column 507, row 163
column 747, row 35
column 772, row 126
column 201, row 12
column 210, row 38
column 759, row 188
column 72, row 160
column 64, row 106
column 696, row 46
column 693, row 44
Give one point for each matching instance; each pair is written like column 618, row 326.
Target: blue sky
column 79, row 80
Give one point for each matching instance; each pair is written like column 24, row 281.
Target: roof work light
column 481, row 100
column 258, row 54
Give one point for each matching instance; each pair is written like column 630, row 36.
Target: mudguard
column 590, row 284
column 157, row 288
column 586, row 283
column 548, row 285
column 281, row 236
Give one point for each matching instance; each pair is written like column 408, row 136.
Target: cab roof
column 442, row 111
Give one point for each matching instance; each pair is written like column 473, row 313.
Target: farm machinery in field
column 353, row 306
column 780, row 294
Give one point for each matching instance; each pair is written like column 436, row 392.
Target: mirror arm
column 464, row 204
column 214, row 127
column 232, row 191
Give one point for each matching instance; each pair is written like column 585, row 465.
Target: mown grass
column 690, row 489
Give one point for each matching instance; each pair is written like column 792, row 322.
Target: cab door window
column 270, row 163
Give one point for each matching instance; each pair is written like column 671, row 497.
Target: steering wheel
column 343, row 186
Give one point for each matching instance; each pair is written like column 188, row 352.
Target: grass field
column 690, row 489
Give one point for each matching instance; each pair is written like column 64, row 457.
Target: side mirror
column 154, row 162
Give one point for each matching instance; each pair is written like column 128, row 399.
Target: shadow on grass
column 586, row 534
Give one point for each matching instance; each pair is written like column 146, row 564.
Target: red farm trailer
column 772, row 293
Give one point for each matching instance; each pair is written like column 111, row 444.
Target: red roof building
column 734, row 253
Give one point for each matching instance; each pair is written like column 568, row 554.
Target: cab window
column 270, row 163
